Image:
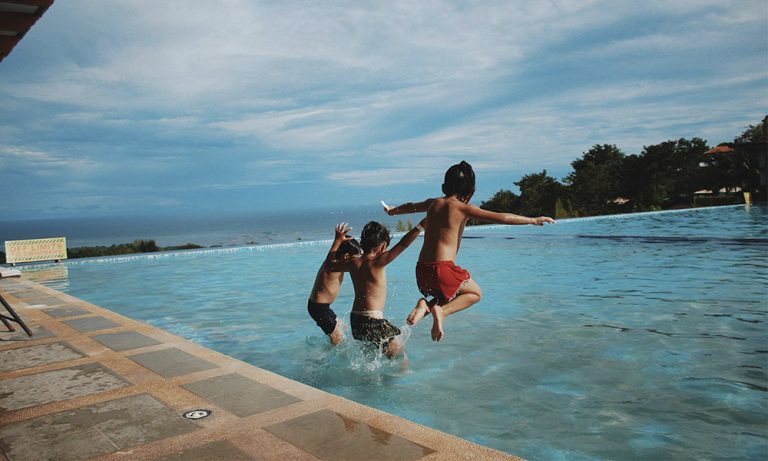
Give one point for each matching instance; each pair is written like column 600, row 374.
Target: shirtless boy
column 327, row 285
column 450, row 286
column 370, row 281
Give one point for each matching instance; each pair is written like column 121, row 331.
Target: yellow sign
column 26, row 251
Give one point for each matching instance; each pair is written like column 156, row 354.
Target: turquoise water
column 637, row 337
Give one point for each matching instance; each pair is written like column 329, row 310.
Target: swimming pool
column 635, row 337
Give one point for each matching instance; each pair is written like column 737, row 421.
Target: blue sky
column 184, row 106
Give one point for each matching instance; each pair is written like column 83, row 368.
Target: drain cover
column 197, row 414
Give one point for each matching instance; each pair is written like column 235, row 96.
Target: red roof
column 719, row 150
column 16, row 18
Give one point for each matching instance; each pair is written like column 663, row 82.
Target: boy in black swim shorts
column 327, row 285
column 370, row 281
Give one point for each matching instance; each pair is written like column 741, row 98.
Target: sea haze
column 229, row 229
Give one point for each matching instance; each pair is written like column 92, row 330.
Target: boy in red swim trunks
column 328, row 283
column 450, row 286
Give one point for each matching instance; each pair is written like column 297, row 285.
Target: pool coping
column 265, row 416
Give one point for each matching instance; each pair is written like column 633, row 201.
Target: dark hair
column 459, row 180
column 349, row 247
column 373, row 234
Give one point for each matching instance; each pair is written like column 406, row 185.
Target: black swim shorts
column 323, row 315
column 377, row 331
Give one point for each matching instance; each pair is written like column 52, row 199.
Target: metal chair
column 14, row 317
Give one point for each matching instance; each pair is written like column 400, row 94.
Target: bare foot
column 337, row 336
column 437, row 323
column 418, row 312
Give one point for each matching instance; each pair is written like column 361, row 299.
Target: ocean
column 264, row 227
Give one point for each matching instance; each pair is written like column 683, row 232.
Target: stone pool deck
column 92, row 384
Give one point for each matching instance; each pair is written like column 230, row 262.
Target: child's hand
column 542, row 219
column 386, row 207
column 341, row 231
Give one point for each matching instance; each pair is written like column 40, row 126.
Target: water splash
column 351, row 363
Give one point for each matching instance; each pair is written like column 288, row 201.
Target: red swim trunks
column 441, row 279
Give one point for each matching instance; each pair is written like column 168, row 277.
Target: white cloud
column 41, row 162
column 380, row 93
column 381, row 177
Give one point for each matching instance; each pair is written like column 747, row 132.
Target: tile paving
column 171, row 362
column 213, row 451
column 125, row 340
column 91, row 324
column 34, row 356
column 98, row 429
column 69, row 394
column 57, row 385
column 240, row 395
column 65, row 311
column 38, row 332
column 331, row 436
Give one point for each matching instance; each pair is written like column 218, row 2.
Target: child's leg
column 393, row 348
column 469, row 294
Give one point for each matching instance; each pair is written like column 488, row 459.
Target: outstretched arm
column 389, row 256
column 504, row 218
column 407, row 208
column 341, row 235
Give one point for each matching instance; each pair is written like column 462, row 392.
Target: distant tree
column 145, row 246
column 503, row 201
column 595, row 182
column 740, row 168
column 538, row 194
column 665, row 174
column 749, row 147
column 638, row 186
column 755, row 133
column 403, row 227
column 563, row 207
column 137, row 246
column 718, row 171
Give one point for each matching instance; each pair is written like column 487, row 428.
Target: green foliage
column 403, row 227
column 664, row 175
column 595, row 182
column 605, row 180
column 186, row 246
column 503, row 201
column 754, row 133
column 145, row 246
column 539, row 194
column 137, row 246
column 745, row 166
column 564, row 209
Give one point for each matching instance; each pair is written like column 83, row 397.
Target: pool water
column 633, row 337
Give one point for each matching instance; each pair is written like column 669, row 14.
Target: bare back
column 446, row 218
column 370, row 281
column 368, row 272
column 327, row 286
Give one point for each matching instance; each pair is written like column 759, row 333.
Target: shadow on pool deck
column 91, row 384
